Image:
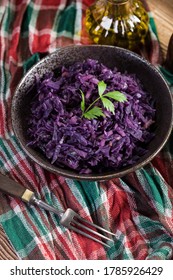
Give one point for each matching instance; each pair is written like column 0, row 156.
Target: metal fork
column 69, row 219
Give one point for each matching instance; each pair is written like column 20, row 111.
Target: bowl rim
column 73, row 174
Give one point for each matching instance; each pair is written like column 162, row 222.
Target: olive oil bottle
column 122, row 23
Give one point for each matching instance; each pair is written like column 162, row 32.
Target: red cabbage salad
column 77, row 123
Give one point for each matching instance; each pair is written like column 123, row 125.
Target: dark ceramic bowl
column 112, row 57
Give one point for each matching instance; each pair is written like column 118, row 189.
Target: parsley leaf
column 116, row 95
column 82, row 105
column 93, row 112
column 108, row 104
column 101, row 87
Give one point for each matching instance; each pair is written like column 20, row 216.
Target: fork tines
column 84, row 228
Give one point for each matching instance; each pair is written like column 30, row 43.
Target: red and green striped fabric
column 138, row 208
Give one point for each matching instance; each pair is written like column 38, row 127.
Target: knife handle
column 12, row 188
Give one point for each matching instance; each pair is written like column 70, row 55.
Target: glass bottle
column 122, row 23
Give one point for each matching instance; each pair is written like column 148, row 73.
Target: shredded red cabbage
column 55, row 125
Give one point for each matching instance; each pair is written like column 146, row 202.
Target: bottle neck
column 119, row 1
column 120, row 7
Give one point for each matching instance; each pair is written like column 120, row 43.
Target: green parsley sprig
column 93, row 112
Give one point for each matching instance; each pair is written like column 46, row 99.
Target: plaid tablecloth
column 138, row 208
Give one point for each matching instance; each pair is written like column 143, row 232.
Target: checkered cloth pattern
column 138, row 208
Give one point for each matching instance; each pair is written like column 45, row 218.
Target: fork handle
column 12, row 188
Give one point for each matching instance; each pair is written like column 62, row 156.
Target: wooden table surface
column 163, row 13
